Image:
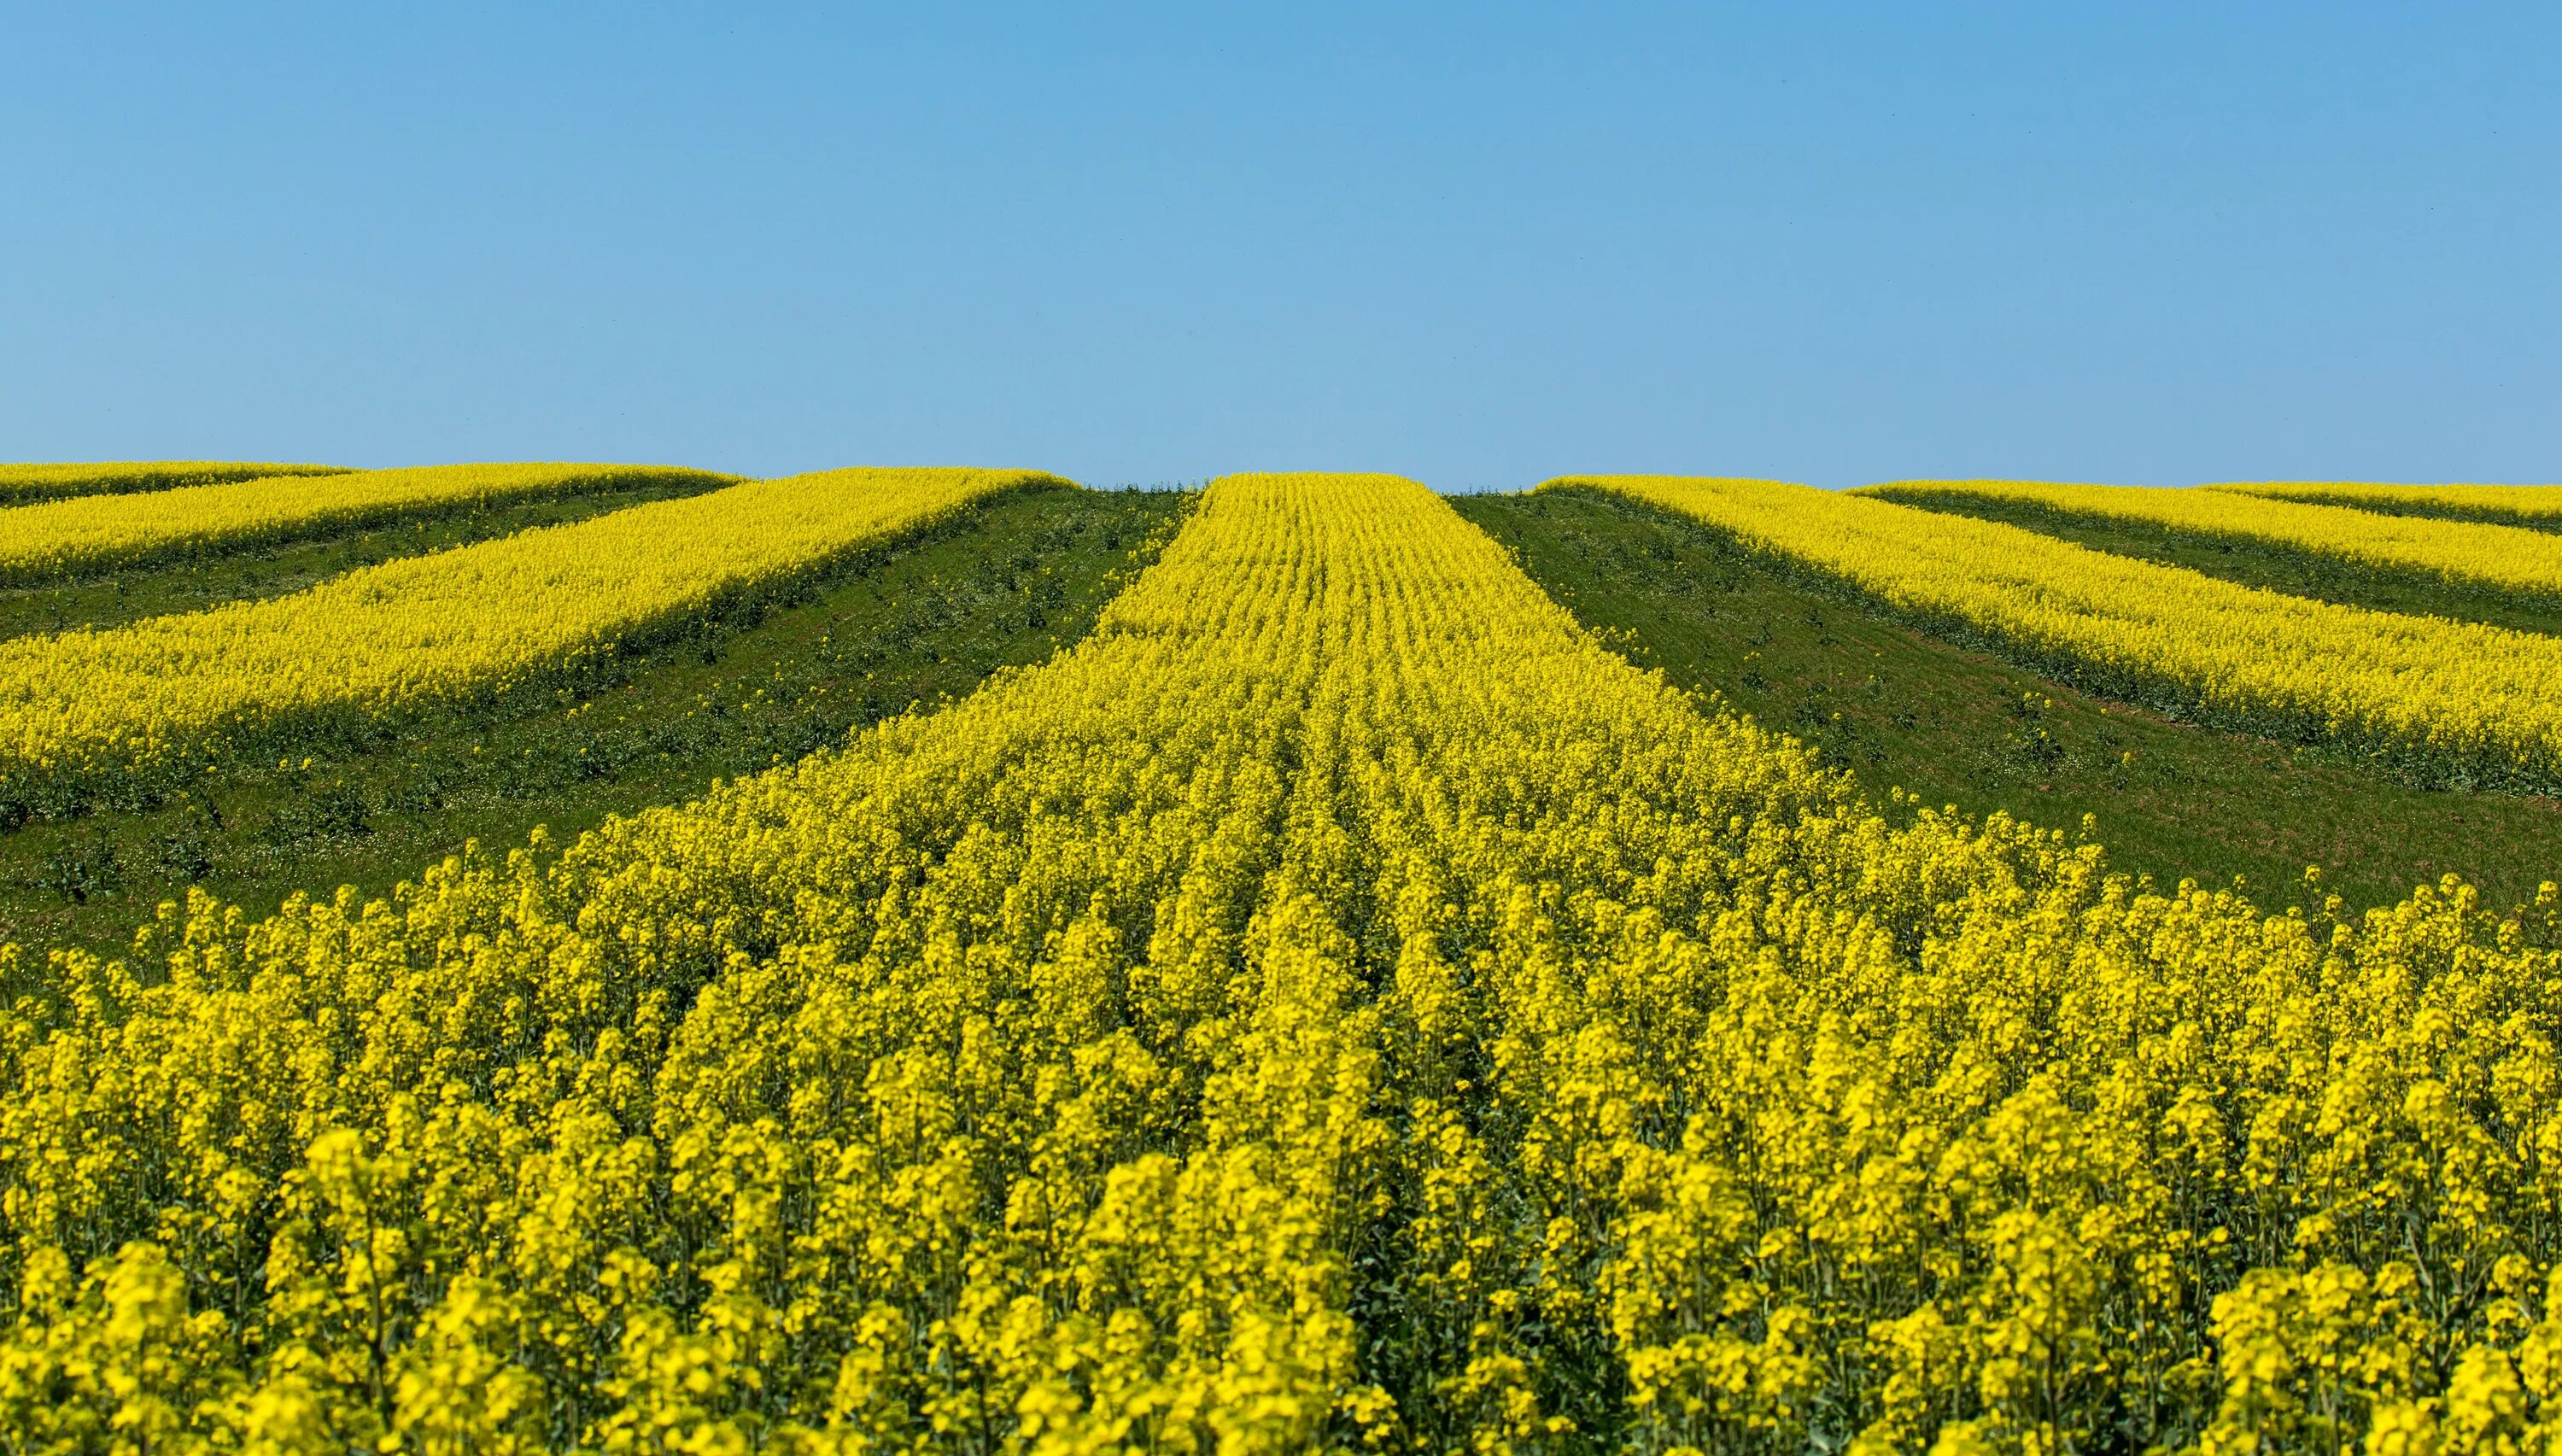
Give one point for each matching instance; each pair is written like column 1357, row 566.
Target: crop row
column 1336, row 1004
column 85, row 535
column 126, row 711
column 45, row 481
column 2505, row 557
column 2536, row 506
column 2430, row 698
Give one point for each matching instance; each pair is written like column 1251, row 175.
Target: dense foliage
column 1339, row 1003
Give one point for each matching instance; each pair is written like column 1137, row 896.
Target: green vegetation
column 24, row 482
column 2267, row 564
column 1005, row 583
column 276, row 570
column 2535, row 507
column 1900, row 708
column 54, row 542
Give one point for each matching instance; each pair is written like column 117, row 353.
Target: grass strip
column 24, row 482
column 2538, row 507
column 68, row 539
column 2332, row 575
column 120, row 717
column 2439, row 702
column 930, row 616
column 1953, row 725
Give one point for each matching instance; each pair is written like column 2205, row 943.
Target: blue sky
column 1480, row 245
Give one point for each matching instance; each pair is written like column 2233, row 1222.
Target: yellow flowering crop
column 44, row 481
column 2540, row 506
column 2497, row 556
column 2439, row 696
column 89, row 708
column 1337, row 1005
column 94, row 532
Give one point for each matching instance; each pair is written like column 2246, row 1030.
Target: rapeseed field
column 1310, row 978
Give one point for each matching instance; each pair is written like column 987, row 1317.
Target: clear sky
column 1476, row 244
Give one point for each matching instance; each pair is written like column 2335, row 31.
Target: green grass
column 237, row 575
column 2267, row 564
column 1897, row 707
column 1005, row 583
column 2441, row 509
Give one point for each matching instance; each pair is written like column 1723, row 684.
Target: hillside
column 1900, row 707
column 928, row 619
column 1301, row 965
